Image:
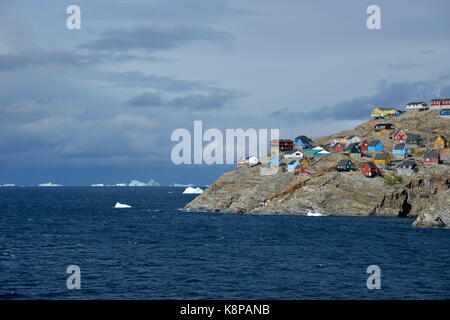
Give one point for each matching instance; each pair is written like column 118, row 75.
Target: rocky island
column 422, row 193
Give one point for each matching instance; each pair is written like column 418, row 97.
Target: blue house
column 445, row 113
column 375, row 145
column 400, row 151
column 293, row 165
column 303, row 142
column 275, row 161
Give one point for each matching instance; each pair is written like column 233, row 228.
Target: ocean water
column 156, row 251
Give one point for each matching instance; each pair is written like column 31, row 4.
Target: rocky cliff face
column 423, row 194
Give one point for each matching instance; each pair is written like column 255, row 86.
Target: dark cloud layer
column 155, row 37
column 196, row 102
column 58, row 58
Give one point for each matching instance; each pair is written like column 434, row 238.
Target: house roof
column 442, row 137
column 408, row 163
column 381, row 156
column 351, row 146
column 413, row 137
column 344, row 162
column 413, row 103
column 386, row 109
column 373, row 143
column 371, row 165
column 432, row 155
column 303, row 139
column 399, row 146
column 293, row 162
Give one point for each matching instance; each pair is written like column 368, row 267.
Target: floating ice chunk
column 121, row 205
column 191, row 190
column 315, row 214
column 49, row 184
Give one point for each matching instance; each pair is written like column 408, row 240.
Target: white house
column 416, row 106
column 252, row 161
column 293, row 155
column 352, row 139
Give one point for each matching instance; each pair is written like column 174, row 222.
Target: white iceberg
column 137, row 183
column 121, row 185
column 8, row 185
column 121, row 205
column 315, row 214
column 49, row 184
column 153, row 183
column 191, row 190
column 97, row 185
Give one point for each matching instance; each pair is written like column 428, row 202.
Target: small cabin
column 384, row 126
column 301, row 170
column 382, row 159
column 408, row 164
column 375, row 145
column 400, row 136
column 294, row 164
column 353, row 139
column 282, row 144
column 431, row 157
column 440, row 142
column 241, row 162
column 414, row 141
column 345, row 165
column 305, row 163
column 303, row 142
column 408, row 167
column 293, row 155
column 338, row 147
column 369, row 169
column 400, row 151
column 353, row 148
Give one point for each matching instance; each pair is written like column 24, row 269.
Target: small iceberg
column 121, row 205
column 315, row 214
column 191, row 190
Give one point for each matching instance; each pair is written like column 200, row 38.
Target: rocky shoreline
column 423, row 195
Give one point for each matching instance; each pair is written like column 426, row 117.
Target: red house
column 369, row 169
column 338, row 147
column 364, row 146
column 301, row 170
column 400, row 136
column 431, row 157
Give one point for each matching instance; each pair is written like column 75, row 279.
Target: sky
column 99, row 104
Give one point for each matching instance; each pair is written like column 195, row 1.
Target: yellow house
column 440, row 142
column 382, row 159
column 305, row 163
column 383, row 112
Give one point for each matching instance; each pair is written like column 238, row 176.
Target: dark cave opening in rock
column 406, row 209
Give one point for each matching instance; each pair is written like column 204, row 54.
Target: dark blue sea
column 156, row 251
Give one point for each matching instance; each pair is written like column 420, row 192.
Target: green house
column 353, row 148
column 345, row 165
